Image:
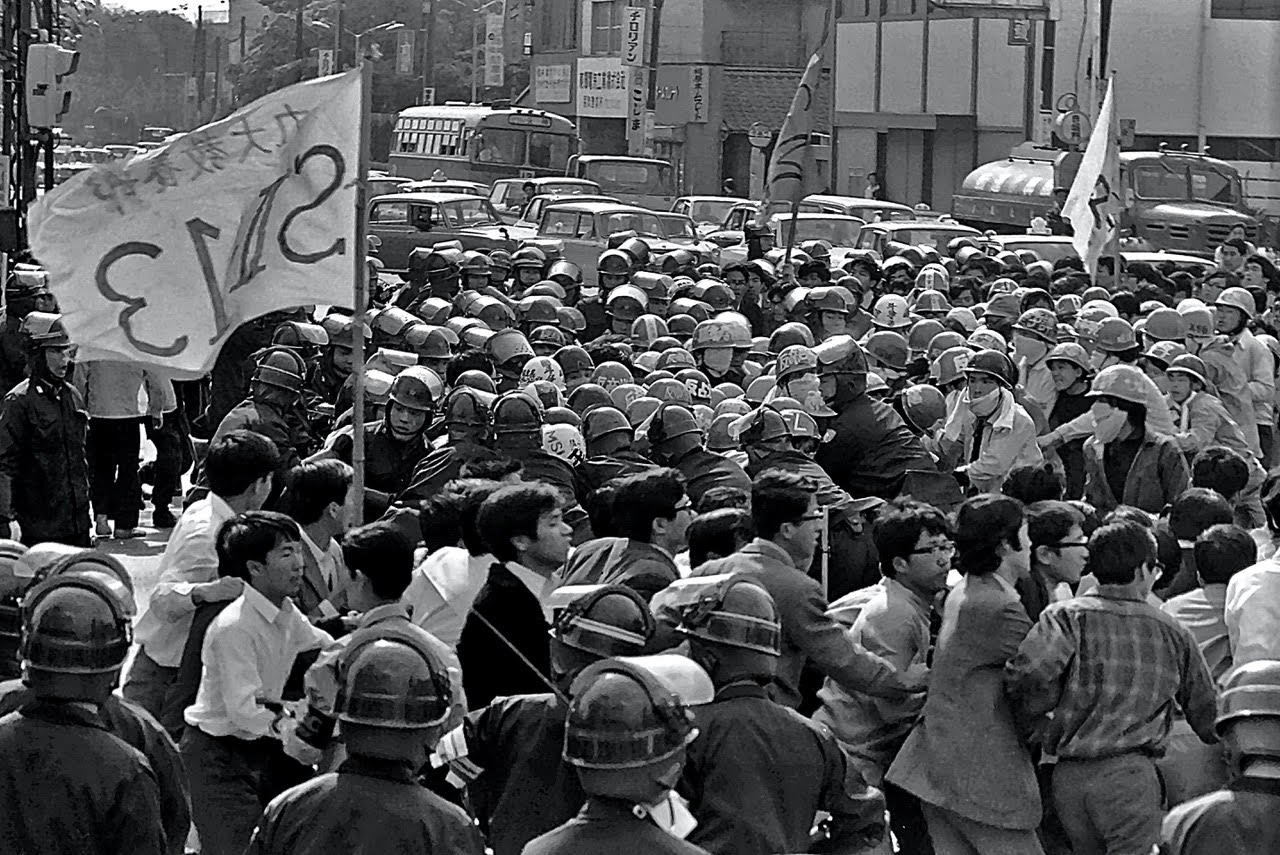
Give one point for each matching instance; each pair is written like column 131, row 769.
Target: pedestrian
column 44, row 477
column 239, row 467
column 785, row 511
column 111, row 391
column 1111, row 669
column 504, row 644
column 319, row 496
column 758, row 772
column 628, row 782
column 68, row 784
column 965, row 760
column 393, row 701
column 233, row 745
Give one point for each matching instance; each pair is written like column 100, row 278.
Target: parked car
column 441, row 184
column 380, row 184
column 867, row 210
column 932, row 233
column 532, row 213
column 839, row 230
column 707, row 212
column 584, row 229
column 509, row 198
column 406, row 221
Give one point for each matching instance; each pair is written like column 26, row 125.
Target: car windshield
column 936, row 238
column 1047, row 250
column 676, row 226
column 1157, row 182
column 468, row 212
column 710, row 211
column 624, row 176
column 642, row 222
column 837, row 232
column 550, row 188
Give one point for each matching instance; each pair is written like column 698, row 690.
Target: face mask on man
column 1029, row 348
column 1108, row 422
column 984, row 405
column 717, row 359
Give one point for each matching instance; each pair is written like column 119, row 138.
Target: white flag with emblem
column 1094, row 203
column 159, row 258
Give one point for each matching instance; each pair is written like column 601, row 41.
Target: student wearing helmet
column 990, row 433
column 1127, row 461
column 1239, row 819
column 1034, row 335
column 826, row 312
column 1071, row 370
column 713, row 347
column 44, row 478
column 1234, row 309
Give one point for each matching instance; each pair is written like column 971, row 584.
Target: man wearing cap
column 1233, row 310
column 1034, row 335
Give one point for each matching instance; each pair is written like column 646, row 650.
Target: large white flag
column 1094, row 204
column 159, row 258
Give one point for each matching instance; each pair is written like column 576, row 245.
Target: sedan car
column 407, row 221
column 836, row 229
column 584, row 229
column 934, row 233
column 509, row 197
column 707, row 212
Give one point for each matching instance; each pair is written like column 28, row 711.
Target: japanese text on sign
column 633, row 36
column 603, row 88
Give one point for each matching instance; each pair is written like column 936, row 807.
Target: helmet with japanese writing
column 417, row 388
column 697, row 382
column 646, row 328
column 1039, row 323
column 1115, row 335
column 932, row 301
column 1071, row 353
column 77, row 630
column 610, row 375
column 676, row 358
column 671, row 390
column 626, row 303
column 891, row 313
column 732, row 613
column 542, row 368
column 391, row 679
column 45, row 329
column 615, row 262
column 949, row 366
column 597, row 620
column 790, row 333
column 509, row 346
column 1165, row 324
column 887, row 349
column 564, row 441
column 993, row 364
column 1163, row 352
column 280, row 367
column 712, row 333
column 796, row 359
column 1199, row 322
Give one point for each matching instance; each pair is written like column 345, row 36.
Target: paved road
column 141, row 557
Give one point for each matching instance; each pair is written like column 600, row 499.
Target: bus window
column 548, row 150
column 390, row 212
column 498, row 145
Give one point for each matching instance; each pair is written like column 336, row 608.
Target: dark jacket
column 872, row 450
column 369, row 805
column 621, row 561
column 271, row 423
column 13, row 353
column 524, row 788
column 489, row 665
column 388, row 462
column 186, row 685
column 1158, row 475
column 703, row 470
column 70, row 787
column 442, row 465
column 758, row 772
column 609, row 827
column 44, row 479
column 138, row 729
column 595, row 472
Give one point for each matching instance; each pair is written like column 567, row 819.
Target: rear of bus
column 474, row 142
column 642, row 181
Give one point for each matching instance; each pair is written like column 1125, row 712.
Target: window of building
column 1253, row 10
column 1046, row 64
column 1264, row 149
column 606, row 27
column 556, row 26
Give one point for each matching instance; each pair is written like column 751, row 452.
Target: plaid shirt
column 1109, row 668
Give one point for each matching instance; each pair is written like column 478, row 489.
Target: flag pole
column 359, row 298
column 1115, row 140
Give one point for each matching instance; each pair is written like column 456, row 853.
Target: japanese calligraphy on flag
column 1094, row 203
column 159, row 258
column 791, row 167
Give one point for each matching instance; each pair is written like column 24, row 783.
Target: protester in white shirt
column 1252, row 613
column 318, row 495
column 233, row 742
column 239, row 469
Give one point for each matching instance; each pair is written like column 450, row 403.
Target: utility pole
column 428, row 48
column 299, row 53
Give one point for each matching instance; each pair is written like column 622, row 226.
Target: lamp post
column 389, row 26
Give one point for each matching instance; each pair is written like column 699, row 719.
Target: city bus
column 476, row 142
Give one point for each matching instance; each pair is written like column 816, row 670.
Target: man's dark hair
column 1126, row 304
column 779, row 497
column 1036, row 482
column 449, row 517
column 1117, row 550
column 1238, row 245
column 1220, row 468
column 514, row 511
column 1223, row 550
column 724, row 497
column 816, row 268
column 1195, row 509
column 249, row 537
column 1091, row 519
column 1230, row 279
column 310, row 487
column 1049, row 521
column 467, row 360
column 383, row 555
column 600, row 511
column 718, row 533
column 237, row 460
column 1131, row 514
column 898, row 528
column 491, row 468
column 983, row 524
column 1271, row 500
column 641, row 498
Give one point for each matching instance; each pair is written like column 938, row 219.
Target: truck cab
column 642, row 181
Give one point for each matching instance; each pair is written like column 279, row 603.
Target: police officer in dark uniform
column 232, row 371
column 517, row 433
column 1240, row 819
column 675, row 440
column 272, row 406
column 44, row 480
column 26, row 291
column 67, row 783
column 758, row 772
column 610, row 449
column 466, row 420
column 395, row 445
column 394, row 698
column 628, row 726
column 509, row 752
column 130, row 723
column 330, row 372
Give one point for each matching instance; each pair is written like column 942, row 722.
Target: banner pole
column 1115, row 140
column 359, row 298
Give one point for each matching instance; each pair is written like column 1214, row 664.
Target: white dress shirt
column 190, row 558
column 1252, row 613
column 444, row 586
column 247, row 655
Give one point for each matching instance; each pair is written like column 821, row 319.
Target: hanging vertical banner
column 406, row 44
column 495, row 61
column 637, row 94
column 634, row 35
column 324, row 63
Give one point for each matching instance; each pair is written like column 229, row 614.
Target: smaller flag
column 1094, row 203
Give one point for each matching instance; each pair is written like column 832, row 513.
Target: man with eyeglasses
column 788, row 520
column 1059, row 550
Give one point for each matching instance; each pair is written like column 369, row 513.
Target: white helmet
column 566, row 442
column 891, row 313
column 542, row 368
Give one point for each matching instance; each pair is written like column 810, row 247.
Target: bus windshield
column 630, row 176
column 510, row 147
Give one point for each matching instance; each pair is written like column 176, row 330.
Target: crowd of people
column 953, row 552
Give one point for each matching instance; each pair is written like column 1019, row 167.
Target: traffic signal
column 48, row 91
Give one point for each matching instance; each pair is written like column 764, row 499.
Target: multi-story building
column 925, row 91
column 722, row 66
